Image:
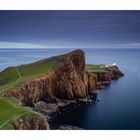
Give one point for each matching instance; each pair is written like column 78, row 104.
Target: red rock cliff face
column 105, row 77
column 69, row 81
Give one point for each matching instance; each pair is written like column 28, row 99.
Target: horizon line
column 21, row 45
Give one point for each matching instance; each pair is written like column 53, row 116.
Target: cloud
column 66, row 44
column 123, row 45
column 20, row 45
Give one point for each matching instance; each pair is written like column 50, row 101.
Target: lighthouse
column 111, row 65
column 114, row 64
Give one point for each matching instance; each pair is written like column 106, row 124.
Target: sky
column 50, row 29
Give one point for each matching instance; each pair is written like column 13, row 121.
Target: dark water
column 119, row 106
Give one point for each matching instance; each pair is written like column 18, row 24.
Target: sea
column 118, row 106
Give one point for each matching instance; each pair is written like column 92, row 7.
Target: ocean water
column 119, row 105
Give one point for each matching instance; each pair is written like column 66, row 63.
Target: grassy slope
column 10, row 111
column 94, row 68
column 9, row 78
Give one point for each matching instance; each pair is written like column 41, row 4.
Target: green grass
column 10, row 111
column 10, row 79
column 94, row 68
column 31, row 72
column 8, row 75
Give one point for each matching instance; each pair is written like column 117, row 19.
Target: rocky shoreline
column 52, row 110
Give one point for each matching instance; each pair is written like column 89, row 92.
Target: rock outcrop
column 69, row 81
column 31, row 123
column 105, row 77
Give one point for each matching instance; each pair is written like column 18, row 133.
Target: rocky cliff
column 105, row 77
column 69, row 81
column 31, row 123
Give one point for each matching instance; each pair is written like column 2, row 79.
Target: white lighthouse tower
column 114, row 64
column 111, row 65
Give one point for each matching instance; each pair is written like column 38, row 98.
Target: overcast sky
column 69, row 29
